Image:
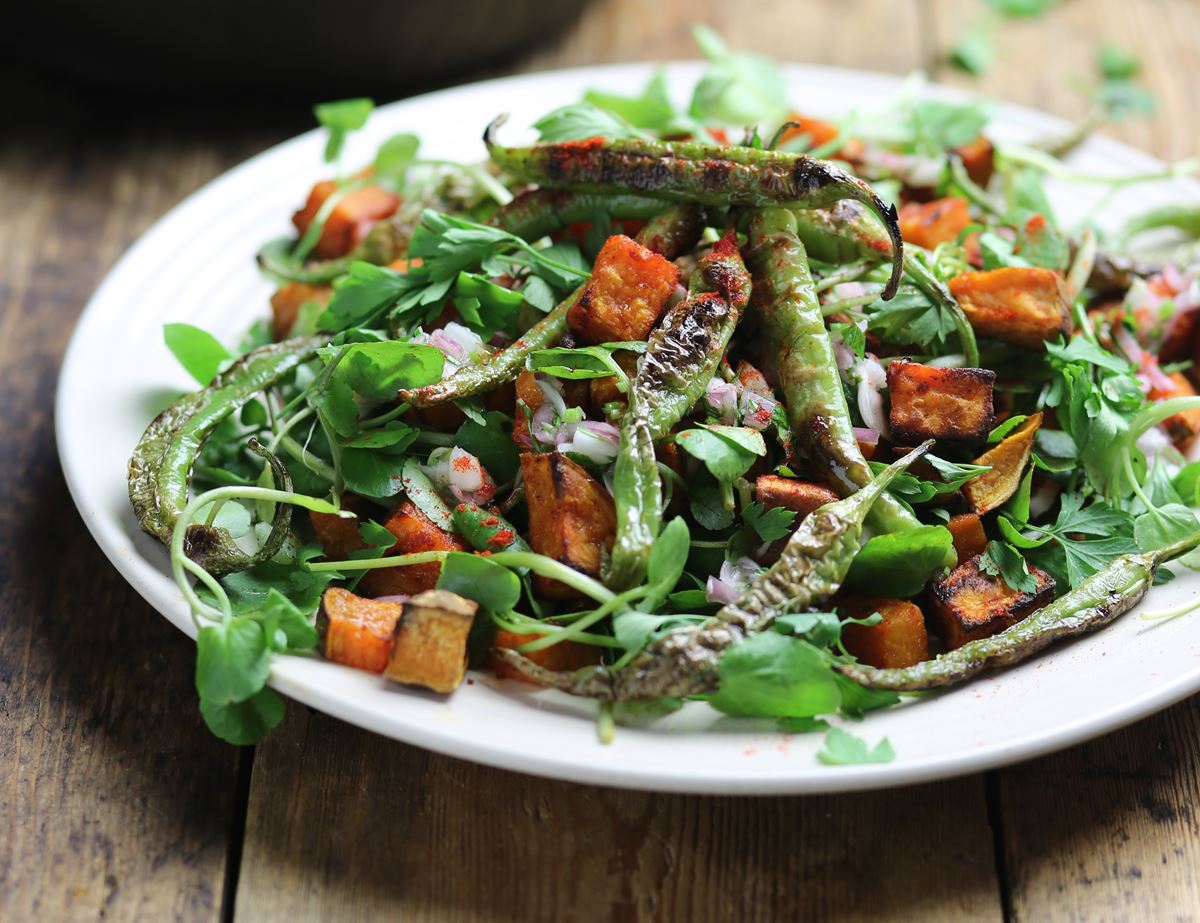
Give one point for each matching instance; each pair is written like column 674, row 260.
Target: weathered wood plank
column 1106, row 831
column 345, row 825
column 115, row 800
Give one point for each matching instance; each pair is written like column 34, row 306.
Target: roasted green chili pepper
column 843, row 233
column 161, row 465
column 682, row 353
column 534, row 214
column 685, row 661
column 698, row 173
column 1093, row 604
column 786, row 305
column 486, row 530
column 676, row 227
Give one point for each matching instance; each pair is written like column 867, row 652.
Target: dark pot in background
column 301, row 47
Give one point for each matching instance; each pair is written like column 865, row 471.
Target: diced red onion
column 849, row 290
column 1158, row 379
column 594, row 440
column 1129, row 345
column 542, row 426
column 1173, row 277
column 552, row 395
column 866, row 436
column 718, row 591
column 722, row 396
column 872, row 379
column 393, row 598
column 757, row 411
column 843, row 354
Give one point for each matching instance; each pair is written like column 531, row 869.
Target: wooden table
column 117, row 803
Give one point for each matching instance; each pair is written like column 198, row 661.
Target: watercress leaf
column 1083, row 350
column 668, row 556
column 576, row 364
column 737, row 89
column 974, row 52
column 942, row 125
column 998, row 252
column 770, row 524
column 1040, row 244
column 724, row 458
column 1187, row 483
column 774, row 676
column 335, row 403
column 248, row 590
column 378, row 370
column 1117, row 63
column 802, row 725
column 581, row 120
column 708, row 507
column 371, row 473
column 340, row 118
column 537, row 292
column 651, row 109
column 393, row 436
column 820, row 629
column 285, row 627
column 1056, row 444
column 1001, row 559
column 246, row 722
column 198, row 351
column 858, row 700
column 852, row 337
column 899, row 563
column 1022, row 7
column 395, row 156
column 1163, row 525
column 495, row 587
column 634, row 630
column 844, row 749
column 232, row 660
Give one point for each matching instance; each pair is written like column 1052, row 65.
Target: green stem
column 555, row 570
column 399, row 560
column 575, row 629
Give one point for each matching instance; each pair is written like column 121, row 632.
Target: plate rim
column 293, row 683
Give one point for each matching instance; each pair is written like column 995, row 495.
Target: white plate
column 196, row 265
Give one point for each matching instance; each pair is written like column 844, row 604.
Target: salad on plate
column 727, row 402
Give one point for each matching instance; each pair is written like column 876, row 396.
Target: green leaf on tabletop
column 341, row 118
column 844, row 749
column 232, row 660
column 770, row 524
column 1117, row 63
column 1002, row 560
column 1022, row 7
column 496, row 588
column 899, row 563
column 246, row 722
column 774, row 676
column 198, row 351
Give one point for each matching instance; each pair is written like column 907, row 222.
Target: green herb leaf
column 708, row 507
column 770, row 524
column 341, row 118
column 668, row 557
column 725, row 456
column 1001, row 559
column 974, row 52
column 378, row 370
column 246, row 722
column 1117, row 63
column 197, row 350
column 496, row 588
column 232, row 660
column 577, row 364
column 899, row 563
column 394, row 157
column 844, row 749
column 578, row 121
column 371, row 473
column 737, row 89
column 491, row 442
column 774, row 676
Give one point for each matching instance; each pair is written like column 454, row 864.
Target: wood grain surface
column 116, row 802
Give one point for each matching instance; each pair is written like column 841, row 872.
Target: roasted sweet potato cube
column 571, row 516
column 899, row 640
column 801, row 497
column 936, row 403
column 1007, row 459
column 1184, row 426
column 430, row 646
column 1022, row 305
column 928, row 224
column 562, row 657
column 338, row 536
column 414, row 532
column 287, row 302
column 969, row 537
column 357, row 632
column 629, row 288
column 970, row 604
column 978, row 159
column 350, row 220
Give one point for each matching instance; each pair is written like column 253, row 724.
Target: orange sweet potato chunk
column 978, row 159
column 629, row 288
column 970, row 604
column 357, row 631
column 430, row 646
column 1184, row 426
column 1022, row 305
column 1007, row 459
column 562, row 657
column 900, row 640
column 414, row 532
column 350, row 220
column 571, row 516
column 928, row 224
column 969, row 538
column 801, row 497
column 287, row 301
column 936, row 403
